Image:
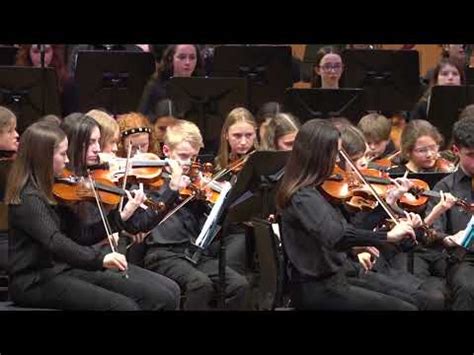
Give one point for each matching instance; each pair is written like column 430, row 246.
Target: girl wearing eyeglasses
column 328, row 69
column 420, row 142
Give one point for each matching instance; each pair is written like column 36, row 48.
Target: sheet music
column 201, row 239
column 468, row 237
column 276, row 230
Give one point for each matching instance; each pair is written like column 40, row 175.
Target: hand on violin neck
column 133, row 203
column 446, row 201
column 400, row 187
column 178, row 180
column 178, row 183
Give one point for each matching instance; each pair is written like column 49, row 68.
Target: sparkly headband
column 135, row 130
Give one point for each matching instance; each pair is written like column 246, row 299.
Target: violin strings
column 376, row 195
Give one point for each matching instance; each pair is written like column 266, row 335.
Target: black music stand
column 391, row 78
column 446, row 103
column 307, row 104
column 112, row 79
column 261, row 172
column 206, row 102
column 8, row 55
column 267, row 68
column 27, row 91
column 254, row 192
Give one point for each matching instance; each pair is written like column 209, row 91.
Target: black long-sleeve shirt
column 46, row 239
column 455, row 219
column 181, row 228
column 316, row 235
column 86, row 212
column 43, row 240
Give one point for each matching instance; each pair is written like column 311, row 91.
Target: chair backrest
column 270, row 264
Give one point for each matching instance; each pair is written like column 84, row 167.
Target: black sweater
column 45, row 239
column 316, row 236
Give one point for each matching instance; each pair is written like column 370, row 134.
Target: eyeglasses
column 328, row 67
column 426, row 150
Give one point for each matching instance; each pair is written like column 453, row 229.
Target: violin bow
column 124, row 184
column 384, row 205
column 108, row 229
column 216, row 176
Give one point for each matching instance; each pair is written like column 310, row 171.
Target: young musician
column 420, row 142
column 451, row 226
column 84, row 136
column 109, row 131
column 328, row 69
column 387, row 261
column 51, row 262
column 315, row 235
column 170, row 241
column 376, row 129
column 280, row 132
column 135, row 129
column 238, row 137
column 448, row 72
column 109, row 142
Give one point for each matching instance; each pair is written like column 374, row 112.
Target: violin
column 429, row 233
column 444, row 166
column 236, row 165
column 203, row 189
column 465, row 205
column 200, row 175
column 143, row 168
column 70, row 188
column 347, row 188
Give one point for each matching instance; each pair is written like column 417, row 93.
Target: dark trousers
column 460, row 279
column 336, row 293
column 398, row 284
column 430, row 266
column 198, row 281
column 108, row 290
